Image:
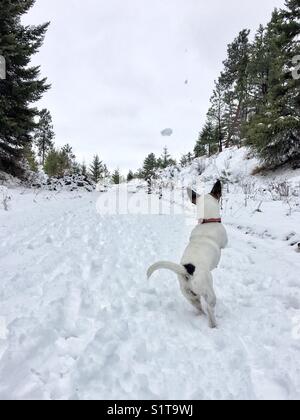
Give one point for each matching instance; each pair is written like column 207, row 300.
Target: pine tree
column 96, row 169
column 200, row 149
column 139, row 174
column 189, row 158
column 274, row 129
column 83, row 169
column 56, row 163
column 186, row 159
column 165, row 160
column 216, row 113
column 207, row 143
column 22, row 86
column 183, row 161
column 235, row 85
column 75, row 169
column 44, row 135
column 106, row 173
column 30, row 158
column 150, row 166
column 116, row 177
column 259, row 69
column 159, row 163
column 71, row 165
column 130, row 176
column 230, row 100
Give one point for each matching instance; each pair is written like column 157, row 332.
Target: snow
column 8, row 180
column 4, row 197
column 79, row 320
column 3, row 191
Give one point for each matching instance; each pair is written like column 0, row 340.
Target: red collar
column 205, row 221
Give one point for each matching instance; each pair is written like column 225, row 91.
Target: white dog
column 202, row 255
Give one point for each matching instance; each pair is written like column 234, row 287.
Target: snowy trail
column 83, row 322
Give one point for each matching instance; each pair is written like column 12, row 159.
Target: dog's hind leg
column 192, row 297
column 203, row 285
column 195, row 301
column 212, row 322
column 211, row 302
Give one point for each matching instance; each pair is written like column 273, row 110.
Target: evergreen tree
column 83, row 169
column 150, row 166
column 230, row 99
column 217, row 111
column 257, row 97
column 183, row 161
column 44, row 134
column 189, row 158
column 116, row 177
column 274, row 130
column 235, row 85
column 139, row 174
column 56, row 163
column 200, row 149
column 96, row 169
column 165, row 161
column 159, row 163
column 30, row 158
column 130, row 176
column 75, row 169
column 106, row 173
column 207, row 143
column 22, row 86
column 71, row 165
column 259, row 70
column 186, row 159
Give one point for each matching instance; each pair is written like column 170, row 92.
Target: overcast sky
column 118, row 70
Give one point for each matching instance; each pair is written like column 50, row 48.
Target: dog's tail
column 165, row 265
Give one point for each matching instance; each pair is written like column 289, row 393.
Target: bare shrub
column 282, row 191
column 249, row 190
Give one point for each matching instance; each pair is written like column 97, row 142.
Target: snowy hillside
column 79, row 319
column 269, row 202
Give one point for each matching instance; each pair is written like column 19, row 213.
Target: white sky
column 118, row 70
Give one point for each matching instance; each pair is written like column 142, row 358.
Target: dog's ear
column 193, row 196
column 217, row 190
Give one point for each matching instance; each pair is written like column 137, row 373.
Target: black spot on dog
column 190, row 268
